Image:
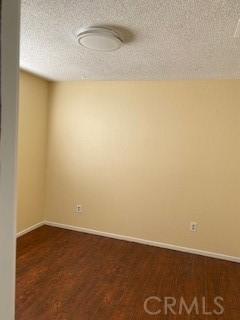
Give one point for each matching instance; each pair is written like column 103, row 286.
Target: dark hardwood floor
column 67, row 275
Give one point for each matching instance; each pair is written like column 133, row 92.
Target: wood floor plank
column 67, row 275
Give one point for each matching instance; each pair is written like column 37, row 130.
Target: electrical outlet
column 193, row 226
column 78, row 209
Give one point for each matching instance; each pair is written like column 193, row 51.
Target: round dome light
column 101, row 39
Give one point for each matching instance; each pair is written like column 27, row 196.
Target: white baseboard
column 146, row 242
column 35, row 226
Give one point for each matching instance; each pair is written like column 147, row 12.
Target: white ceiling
column 164, row 39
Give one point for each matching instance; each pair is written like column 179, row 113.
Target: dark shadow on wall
column 0, row 67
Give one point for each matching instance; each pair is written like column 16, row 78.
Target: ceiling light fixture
column 99, row 38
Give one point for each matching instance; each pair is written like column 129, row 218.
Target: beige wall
column 32, row 143
column 146, row 158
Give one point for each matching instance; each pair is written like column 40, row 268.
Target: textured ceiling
column 164, row 39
